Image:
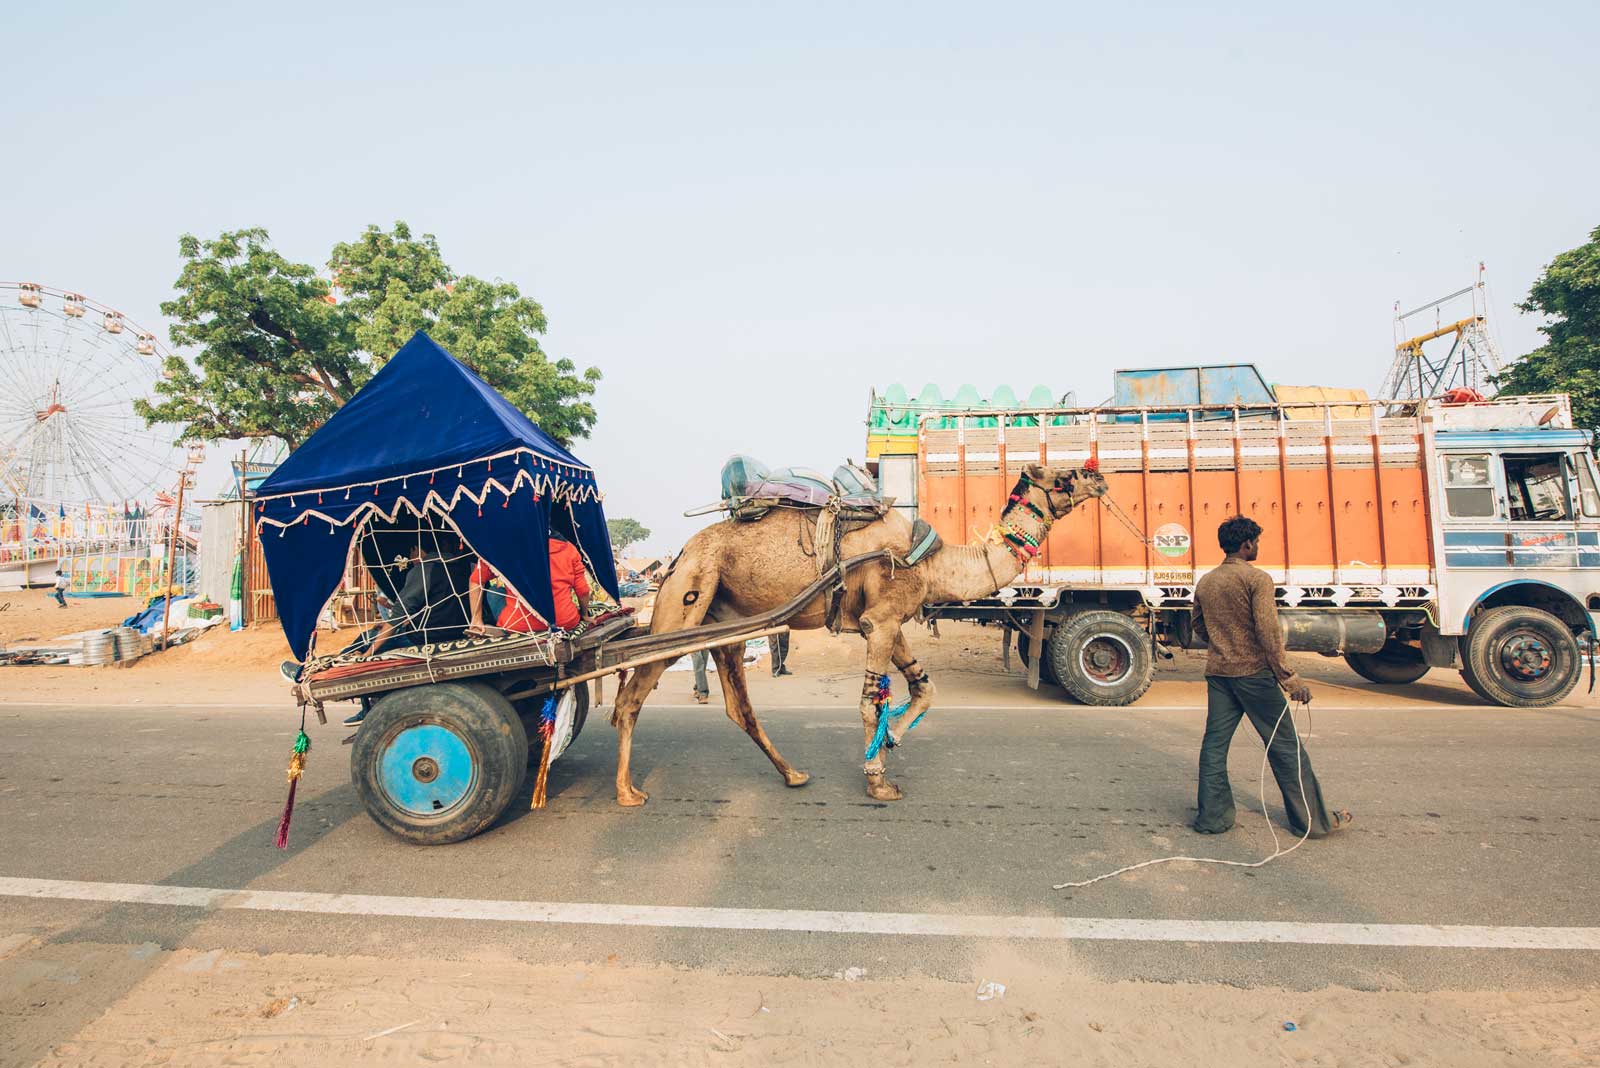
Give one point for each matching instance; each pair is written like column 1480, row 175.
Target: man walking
column 1236, row 613
column 62, row 585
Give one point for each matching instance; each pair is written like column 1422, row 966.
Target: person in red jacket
column 569, row 587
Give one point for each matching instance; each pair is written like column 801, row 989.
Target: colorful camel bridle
column 1024, row 544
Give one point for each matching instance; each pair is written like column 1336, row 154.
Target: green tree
column 280, row 348
column 1569, row 361
column 626, row 532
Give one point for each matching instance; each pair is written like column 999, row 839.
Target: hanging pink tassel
column 297, row 767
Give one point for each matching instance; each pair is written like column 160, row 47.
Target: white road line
column 1065, row 707
column 716, row 706
column 1052, row 928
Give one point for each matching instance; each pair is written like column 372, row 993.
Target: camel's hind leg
column 736, row 695
column 682, row 603
column 917, row 681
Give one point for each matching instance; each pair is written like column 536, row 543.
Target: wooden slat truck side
column 1400, row 537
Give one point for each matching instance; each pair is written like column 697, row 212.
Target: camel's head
column 1064, row 488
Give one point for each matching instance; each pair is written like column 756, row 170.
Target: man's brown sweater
column 1236, row 612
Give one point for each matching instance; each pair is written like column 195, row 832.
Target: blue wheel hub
column 426, row 770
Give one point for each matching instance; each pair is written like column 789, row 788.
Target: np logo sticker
column 1171, row 540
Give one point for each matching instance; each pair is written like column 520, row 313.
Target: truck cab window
column 1586, row 489
column 1536, row 488
column 1468, row 490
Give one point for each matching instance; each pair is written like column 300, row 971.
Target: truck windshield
column 1468, row 491
column 1536, row 488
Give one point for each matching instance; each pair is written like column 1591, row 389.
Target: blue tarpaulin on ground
column 426, row 439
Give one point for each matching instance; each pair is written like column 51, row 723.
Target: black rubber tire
column 483, row 720
column 1485, row 670
column 1472, row 683
column 1047, row 671
column 529, row 708
column 1394, row 665
column 1114, row 634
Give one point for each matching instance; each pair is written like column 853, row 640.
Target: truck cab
column 1517, row 552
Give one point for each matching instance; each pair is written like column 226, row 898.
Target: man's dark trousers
column 1257, row 696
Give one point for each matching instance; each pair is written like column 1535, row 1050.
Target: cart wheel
column 1047, row 669
column 438, row 763
column 1395, row 663
column 1102, row 657
column 571, row 712
column 1521, row 657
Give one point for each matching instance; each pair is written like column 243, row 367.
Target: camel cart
column 423, row 478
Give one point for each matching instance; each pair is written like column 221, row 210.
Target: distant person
column 702, row 686
column 779, row 644
column 1236, row 613
column 63, row 583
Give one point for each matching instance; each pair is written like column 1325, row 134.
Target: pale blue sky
column 747, row 215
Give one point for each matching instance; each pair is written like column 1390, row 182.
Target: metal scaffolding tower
column 1471, row 362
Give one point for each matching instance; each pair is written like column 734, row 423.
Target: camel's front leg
column 880, row 646
column 917, row 681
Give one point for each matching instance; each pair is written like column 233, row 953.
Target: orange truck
column 1401, row 536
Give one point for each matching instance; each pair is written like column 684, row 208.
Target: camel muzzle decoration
column 734, row 569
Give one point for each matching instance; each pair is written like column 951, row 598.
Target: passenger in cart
column 569, row 587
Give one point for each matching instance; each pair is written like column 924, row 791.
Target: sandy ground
column 214, row 1008
column 33, row 615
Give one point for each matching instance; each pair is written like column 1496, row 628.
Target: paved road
column 1465, row 816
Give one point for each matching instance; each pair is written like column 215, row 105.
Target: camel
column 733, row 569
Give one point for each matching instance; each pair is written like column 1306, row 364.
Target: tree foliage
column 1569, row 361
column 626, row 532
column 280, row 347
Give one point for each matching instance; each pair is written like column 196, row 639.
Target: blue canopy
column 426, row 440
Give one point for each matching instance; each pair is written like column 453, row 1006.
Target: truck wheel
column 438, row 763
column 1396, row 663
column 1102, row 658
column 1521, row 657
column 1047, row 671
column 572, row 710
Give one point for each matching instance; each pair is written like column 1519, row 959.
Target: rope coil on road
column 1277, row 849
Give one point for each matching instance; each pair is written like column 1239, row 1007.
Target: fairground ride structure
column 80, row 470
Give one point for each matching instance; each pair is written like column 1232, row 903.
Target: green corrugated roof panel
column 895, row 413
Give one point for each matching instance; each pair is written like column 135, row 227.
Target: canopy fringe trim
column 540, row 461
column 543, row 485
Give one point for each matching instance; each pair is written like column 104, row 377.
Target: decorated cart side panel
column 1340, row 501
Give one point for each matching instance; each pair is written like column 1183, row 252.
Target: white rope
column 1277, row 849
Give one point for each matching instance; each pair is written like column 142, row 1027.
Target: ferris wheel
column 70, row 370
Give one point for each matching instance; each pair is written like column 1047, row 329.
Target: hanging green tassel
column 297, row 768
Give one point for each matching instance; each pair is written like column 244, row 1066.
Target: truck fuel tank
column 1316, row 630
column 1333, row 633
